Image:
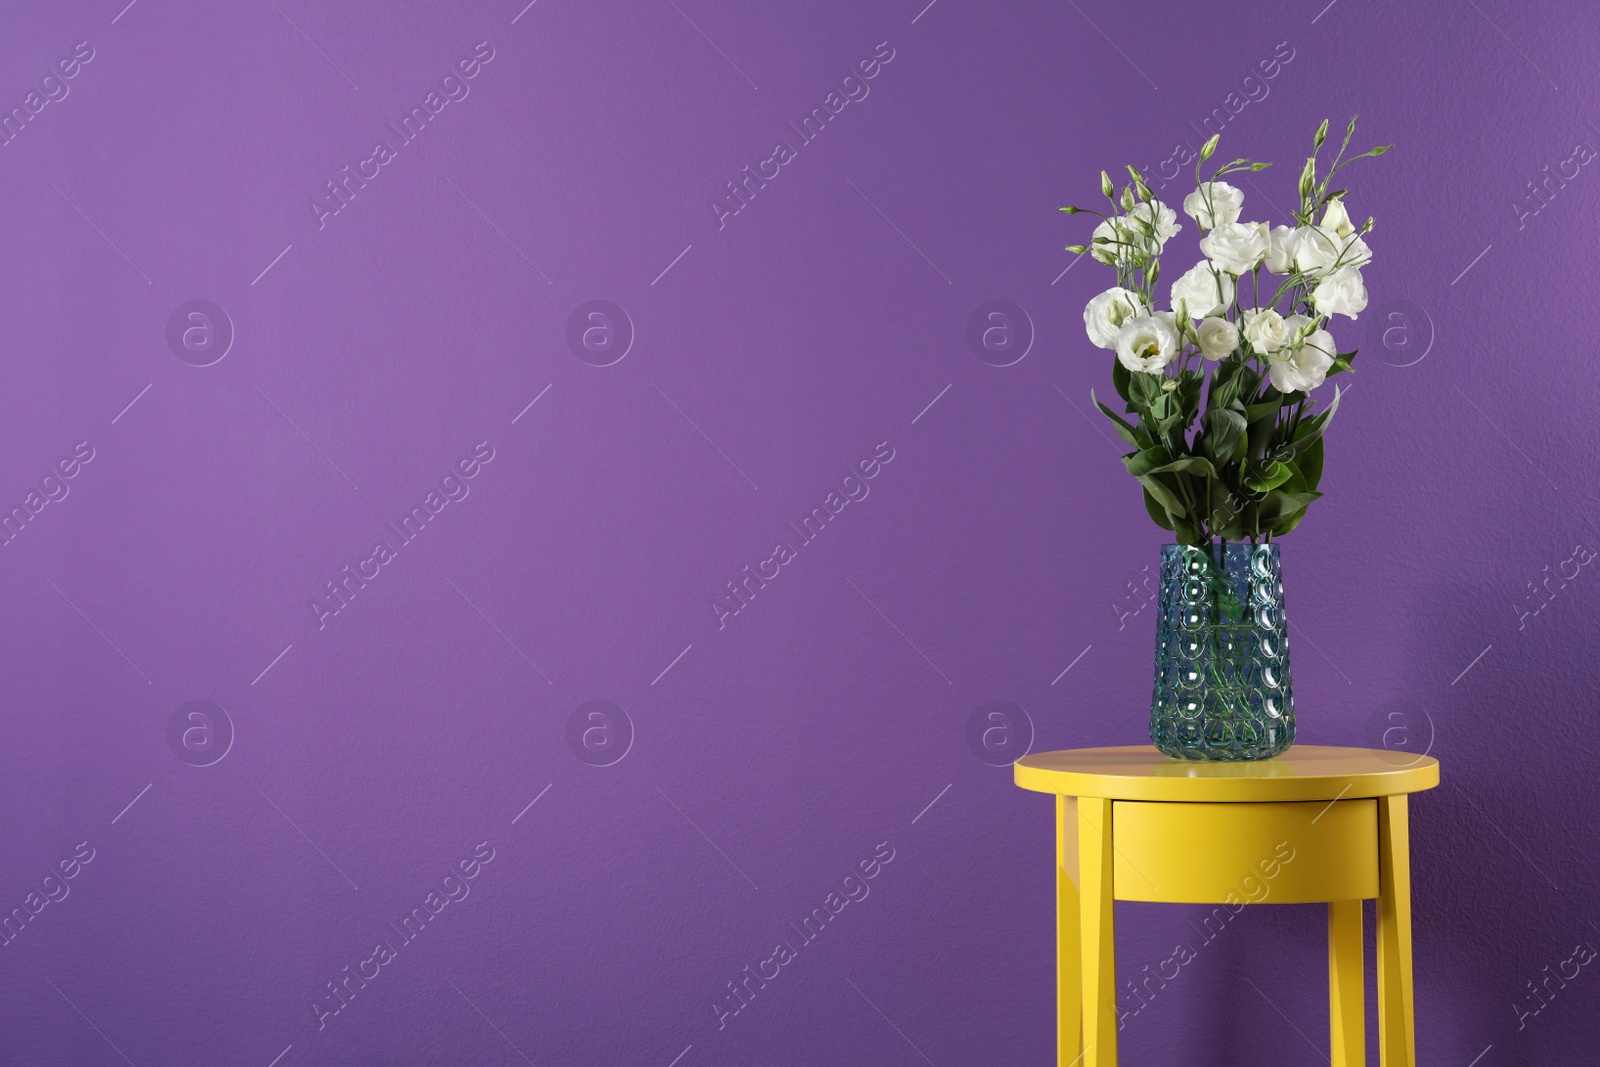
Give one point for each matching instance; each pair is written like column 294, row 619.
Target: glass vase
column 1222, row 688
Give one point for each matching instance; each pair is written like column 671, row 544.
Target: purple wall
column 359, row 757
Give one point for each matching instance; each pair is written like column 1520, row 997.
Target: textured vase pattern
column 1222, row 688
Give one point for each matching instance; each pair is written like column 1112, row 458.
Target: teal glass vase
column 1222, row 688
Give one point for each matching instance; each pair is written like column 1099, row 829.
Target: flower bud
column 1308, row 177
column 1106, row 188
column 1078, row 249
column 1322, row 133
column 1127, row 198
column 1209, row 147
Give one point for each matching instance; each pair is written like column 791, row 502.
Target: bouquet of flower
column 1242, row 461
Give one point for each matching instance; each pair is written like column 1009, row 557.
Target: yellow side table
column 1314, row 825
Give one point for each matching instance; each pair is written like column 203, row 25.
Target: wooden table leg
column 1346, row 1010
column 1396, row 1038
column 1069, row 959
column 1098, row 945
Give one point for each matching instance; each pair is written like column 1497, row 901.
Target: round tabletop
column 1305, row 772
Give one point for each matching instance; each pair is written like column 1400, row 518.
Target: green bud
column 1118, row 315
column 1322, row 133
column 1381, row 149
column 1070, row 210
column 1078, row 249
column 1168, row 386
column 1209, row 147
column 1144, row 192
column 1308, row 177
column 1260, row 166
column 1106, row 188
column 1127, row 198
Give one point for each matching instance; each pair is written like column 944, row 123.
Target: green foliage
column 1217, row 449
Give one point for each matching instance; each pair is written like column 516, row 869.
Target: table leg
column 1069, row 961
column 1396, row 1038
column 1346, row 1010
column 1098, row 945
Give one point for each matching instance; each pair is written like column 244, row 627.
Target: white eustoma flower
column 1225, row 203
column 1281, row 243
column 1236, row 247
column 1205, row 289
column 1335, row 218
column 1147, row 343
column 1320, row 250
column 1305, row 367
column 1104, row 315
column 1341, row 293
column 1163, row 221
column 1355, row 252
column 1218, row 338
column 1266, row 330
column 1315, row 249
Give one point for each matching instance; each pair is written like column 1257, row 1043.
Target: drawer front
column 1245, row 853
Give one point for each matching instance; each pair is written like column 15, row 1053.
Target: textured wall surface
column 357, row 757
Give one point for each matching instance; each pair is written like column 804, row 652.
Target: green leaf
column 1310, row 464
column 1125, row 429
column 1270, row 477
column 1289, row 524
column 1164, row 496
column 1144, row 461
column 1186, row 465
column 1120, row 380
column 1278, row 506
column 1223, row 428
column 1264, row 410
column 1314, row 426
column 1229, row 524
column 1157, row 512
column 1145, row 389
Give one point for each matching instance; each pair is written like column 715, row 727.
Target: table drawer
column 1245, row 853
